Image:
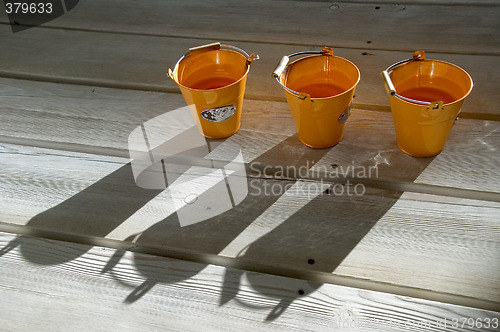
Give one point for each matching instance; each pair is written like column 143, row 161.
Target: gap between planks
column 235, row 263
column 221, row 297
column 134, row 86
column 265, row 171
column 97, row 68
column 269, row 22
column 86, row 115
column 248, row 40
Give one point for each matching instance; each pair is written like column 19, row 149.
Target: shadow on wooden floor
column 318, row 236
column 94, row 212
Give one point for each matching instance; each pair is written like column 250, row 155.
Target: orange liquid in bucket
column 211, row 83
column 329, row 82
column 428, row 94
column 320, row 90
column 422, row 130
column 212, row 77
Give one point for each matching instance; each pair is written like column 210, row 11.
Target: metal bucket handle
column 284, row 63
column 280, row 68
column 212, row 47
column 417, row 56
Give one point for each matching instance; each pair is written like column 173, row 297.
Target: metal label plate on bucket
column 345, row 115
column 218, row 114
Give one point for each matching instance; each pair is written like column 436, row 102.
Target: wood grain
column 100, row 120
column 187, row 296
column 383, row 253
column 445, row 246
column 360, row 25
column 141, row 62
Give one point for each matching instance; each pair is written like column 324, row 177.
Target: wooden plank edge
column 240, row 264
column 290, row 42
column 113, row 84
column 104, row 83
column 327, row 307
column 164, row 89
column 273, row 172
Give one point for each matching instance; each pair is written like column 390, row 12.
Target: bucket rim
column 298, row 93
column 173, row 73
column 400, row 64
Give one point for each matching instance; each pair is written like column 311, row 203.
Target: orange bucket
column 212, row 81
column 319, row 89
column 426, row 97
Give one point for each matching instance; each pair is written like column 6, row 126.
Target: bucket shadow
column 318, row 237
column 94, row 212
column 212, row 235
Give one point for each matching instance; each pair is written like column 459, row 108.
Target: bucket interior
column 431, row 80
column 211, row 70
column 321, row 76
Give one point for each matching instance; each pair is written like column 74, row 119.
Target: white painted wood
column 141, row 62
column 468, row 160
column 469, row 241
column 93, row 292
column 436, row 244
column 103, row 117
column 439, row 247
column 101, row 120
column 482, row 143
column 387, row 25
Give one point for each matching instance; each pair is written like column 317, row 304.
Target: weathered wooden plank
column 189, row 296
column 360, row 25
column 370, row 141
column 445, row 245
column 100, row 120
column 140, row 62
column 278, row 223
column 328, row 228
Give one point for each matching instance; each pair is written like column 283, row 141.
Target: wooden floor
column 83, row 247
